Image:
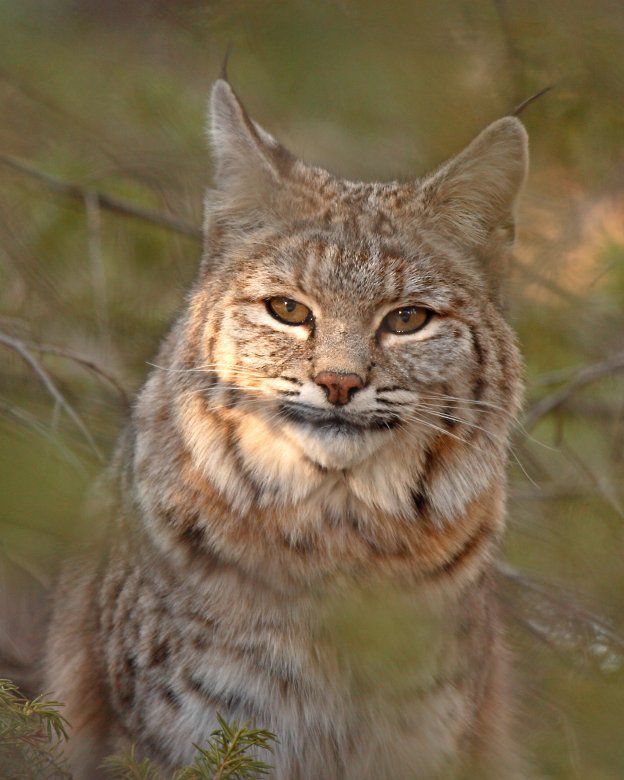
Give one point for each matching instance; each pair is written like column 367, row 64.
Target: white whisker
column 415, row 418
column 252, row 373
column 491, row 408
column 462, row 421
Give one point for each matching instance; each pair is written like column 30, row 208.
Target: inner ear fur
column 470, row 200
column 475, row 191
column 249, row 163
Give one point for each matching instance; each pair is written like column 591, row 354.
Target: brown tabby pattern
column 322, row 570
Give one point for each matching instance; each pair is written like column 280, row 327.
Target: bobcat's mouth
column 334, row 422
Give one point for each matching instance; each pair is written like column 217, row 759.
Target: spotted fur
column 251, row 529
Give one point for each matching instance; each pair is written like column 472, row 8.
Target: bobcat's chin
column 337, row 446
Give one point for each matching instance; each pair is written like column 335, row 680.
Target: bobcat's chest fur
column 318, row 668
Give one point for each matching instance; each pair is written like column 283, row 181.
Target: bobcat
column 300, row 522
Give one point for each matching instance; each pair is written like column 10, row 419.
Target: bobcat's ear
column 471, row 197
column 245, row 155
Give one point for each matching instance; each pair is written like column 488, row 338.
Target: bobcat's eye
column 288, row 311
column 406, row 320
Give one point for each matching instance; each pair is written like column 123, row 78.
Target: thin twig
column 20, row 348
column 30, row 422
column 584, row 377
column 98, row 273
column 88, row 363
column 603, row 486
column 108, row 202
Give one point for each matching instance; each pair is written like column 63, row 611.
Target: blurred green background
column 111, row 96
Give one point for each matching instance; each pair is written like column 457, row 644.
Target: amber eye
column 288, row 311
column 409, row 319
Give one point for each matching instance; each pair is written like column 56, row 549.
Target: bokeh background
column 103, row 115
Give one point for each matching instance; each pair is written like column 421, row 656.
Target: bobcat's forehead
column 344, row 271
column 369, row 207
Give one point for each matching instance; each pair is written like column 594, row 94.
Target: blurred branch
column 617, row 422
column 604, row 487
column 535, row 276
column 584, row 376
column 31, row 423
column 20, row 348
column 553, row 493
column 88, row 363
column 98, row 273
column 556, row 618
column 108, row 202
column 599, row 410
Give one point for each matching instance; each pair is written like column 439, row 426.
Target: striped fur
column 250, row 531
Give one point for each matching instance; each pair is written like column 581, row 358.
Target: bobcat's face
column 347, row 318
column 341, row 343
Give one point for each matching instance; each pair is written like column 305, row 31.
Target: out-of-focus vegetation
column 111, row 96
column 32, row 733
column 227, row 756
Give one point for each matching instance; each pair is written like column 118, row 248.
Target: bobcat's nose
column 339, row 388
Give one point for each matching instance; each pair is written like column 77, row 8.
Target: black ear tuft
column 223, row 75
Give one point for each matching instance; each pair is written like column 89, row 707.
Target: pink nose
column 339, row 388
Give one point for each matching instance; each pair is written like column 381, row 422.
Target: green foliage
column 126, row 766
column 227, row 756
column 31, row 732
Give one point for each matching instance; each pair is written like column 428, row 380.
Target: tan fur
column 323, row 573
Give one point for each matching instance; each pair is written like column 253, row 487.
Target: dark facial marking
column 333, row 423
column 479, row 383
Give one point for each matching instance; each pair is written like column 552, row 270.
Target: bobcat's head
column 347, row 315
